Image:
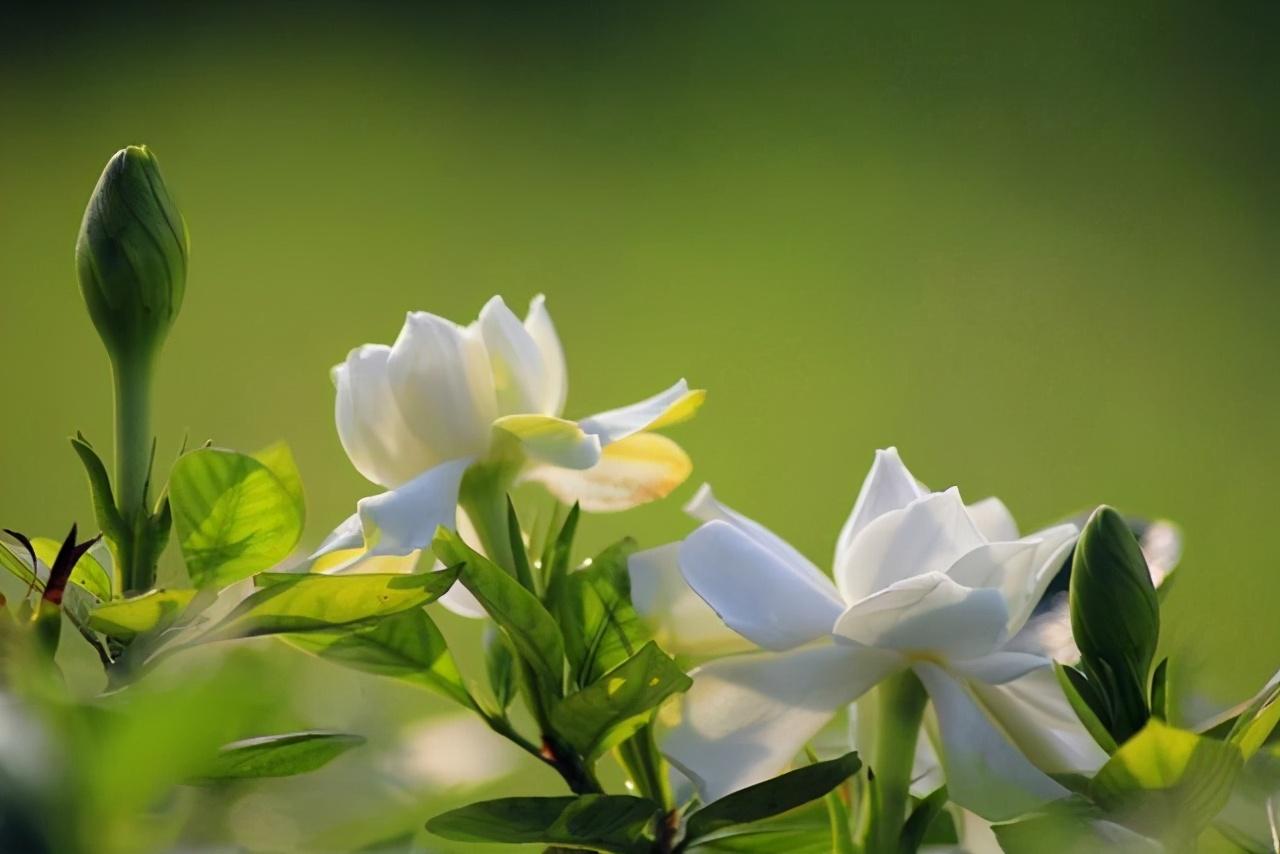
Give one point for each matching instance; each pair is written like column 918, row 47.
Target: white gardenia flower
column 415, row 416
column 919, row 585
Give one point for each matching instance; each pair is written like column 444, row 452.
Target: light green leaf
column 611, row 823
column 1167, row 782
column 772, row 797
column 619, row 702
column 235, row 516
column 406, row 646
column 1071, row 826
column 278, row 755
column 1260, row 718
column 303, row 602
column 88, row 572
column 601, row 628
column 17, row 566
column 533, row 633
column 125, row 619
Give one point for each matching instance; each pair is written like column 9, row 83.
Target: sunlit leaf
column 278, row 755
column 601, row 628
column 615, row 705
column 126, row 618
column 612, row 823
column 88, row 572
column 406, row 646
column 1259, row 719
column 235, row 514
column 305, row 602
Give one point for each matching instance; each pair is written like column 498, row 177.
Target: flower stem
column 900, row 702
column 133, row 462
column 639, row 756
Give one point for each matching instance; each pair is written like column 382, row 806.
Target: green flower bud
column 132, row 256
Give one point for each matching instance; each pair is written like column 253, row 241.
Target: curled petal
column 888, row 486
column 373, row 432
column 683, row 624
column 746, row 716
column 631, row 472
column 1038, row 718
column 672, row 406
column 440, row 376
column 930, row 613
column 552, row 440
column 993, row 519
column 543, row 332
column 521, row 377
column 985, row 773
column 766, row 599
column 1020, row 570
column 928, row 535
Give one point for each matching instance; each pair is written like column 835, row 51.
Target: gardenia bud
column 132, row 256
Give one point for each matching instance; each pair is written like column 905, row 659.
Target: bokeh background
column 1033, row 245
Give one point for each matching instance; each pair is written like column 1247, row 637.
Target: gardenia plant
column 587, row 662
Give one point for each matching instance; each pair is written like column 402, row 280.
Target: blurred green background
column 1033, row 245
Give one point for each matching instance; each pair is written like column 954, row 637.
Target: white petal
column 675, row 404
column 746, row 716
column 762, row 597
column 552, row 440
column 1038, row 718
column 440, row 376
column 631, row 472
column 543, row 331
column 985, row 772
column 396, row 523
column 1020, row 570
column 1001, row 666
column 461, row 601
column 683, row 624
column 373, row 432
column 521, row 378
column 864, row 719
column 929, row 614
column 888, row 486
column 705, row 508
column 993, row 519
column 928, row 535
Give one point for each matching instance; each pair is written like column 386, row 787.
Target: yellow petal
column 682, row 410
column 552, row 440
column 632, row 471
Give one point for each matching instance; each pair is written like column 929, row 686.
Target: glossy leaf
column 235, row 514
column 921, row 817
column 1115, row 618
column 556, row 561
column 772, row 797
column 608, row 710
column 1166, row 781
column 104, row 502
column 612, row 823
column 500, row 667
column 1086, row 703
column 278, row 755
column 1258, row 721
column 601, row 628
column 303, row 602
column 804, row 830
column 533, row 633
column 125, row 619
column 406, row 646
column 88, row 572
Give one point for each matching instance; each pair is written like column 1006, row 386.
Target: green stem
column 133, row 463
column 639, row 756
column 900, row 702
column 484, row 497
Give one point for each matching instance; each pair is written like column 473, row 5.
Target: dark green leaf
column 611, row 823
column 104, row 502
column 499, row 664
column 520, row 557
column 533, row 633
column 619, row 702
column 1160, row 690
column 304, row 602
column 917, row 824
column 1086, row 702
column 556, row 566
column 601, row 628
column 804, row 830
column 1115, row 618
column 235, row 515
column 772, row 797
column 406, row 646
column 278, row 755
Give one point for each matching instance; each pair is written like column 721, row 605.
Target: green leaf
column 17, row 567
column 613, row 707
column 1167, row 782
column 303, row 602
column 499, row 665
column 917, row 824
column 772, row 797
column 88, row 572
column 533, row 633
column 519, row 556
column 556, row 562
column 1260, row 718
column 406, row 646
column 612, row 823
column 601, row 628
column 278, row 458
column 278, row 755
column 1160, row 690
column 1085, row 701
column 234, row 513
column 104, row 502
column 804, row 830
column 125, row 619
column 1115, row 618
column 1071, row 826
